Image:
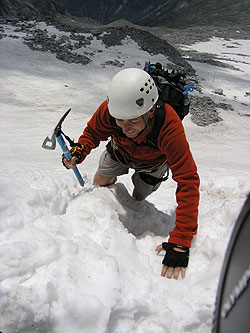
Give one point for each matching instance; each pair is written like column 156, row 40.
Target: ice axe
column 50, row 144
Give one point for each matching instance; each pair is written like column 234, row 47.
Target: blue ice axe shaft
column 67, row 154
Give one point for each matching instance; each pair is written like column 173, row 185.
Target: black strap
column 160, row 113
column 70, row 141
column 152, row 180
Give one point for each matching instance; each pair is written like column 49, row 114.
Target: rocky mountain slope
column 75, row 45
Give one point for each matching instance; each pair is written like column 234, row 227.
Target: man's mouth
column 129, row 133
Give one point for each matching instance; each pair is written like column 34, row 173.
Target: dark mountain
column 170, row 13
column 174, row 14
column 31, row 9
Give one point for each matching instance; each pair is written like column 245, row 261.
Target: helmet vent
column 140, row 102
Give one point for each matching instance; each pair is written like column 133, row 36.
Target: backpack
column 172, row 90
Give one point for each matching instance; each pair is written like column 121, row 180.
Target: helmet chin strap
column 147, row 120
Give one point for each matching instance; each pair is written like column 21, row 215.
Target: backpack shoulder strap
column 152, row 138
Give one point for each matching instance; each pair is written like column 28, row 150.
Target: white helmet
column 131, row 93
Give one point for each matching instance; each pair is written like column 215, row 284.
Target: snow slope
column 83, row 259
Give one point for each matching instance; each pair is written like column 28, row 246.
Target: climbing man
column 130, row 119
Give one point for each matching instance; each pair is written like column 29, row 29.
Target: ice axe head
column 48, row 143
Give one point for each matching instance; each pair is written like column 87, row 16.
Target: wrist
column 176, row 247
column 77, row 152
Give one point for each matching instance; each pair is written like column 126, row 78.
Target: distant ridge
column 122, row 23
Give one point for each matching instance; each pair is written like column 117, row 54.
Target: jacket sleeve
column 98, row 129
column 184, row 173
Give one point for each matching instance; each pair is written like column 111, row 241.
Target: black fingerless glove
column 74, row 152
column 174, row 258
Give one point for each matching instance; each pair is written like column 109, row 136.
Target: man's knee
column 103, row 181
column 138, row 196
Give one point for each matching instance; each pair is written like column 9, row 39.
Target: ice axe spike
column 50, row 144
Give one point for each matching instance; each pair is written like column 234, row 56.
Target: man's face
column 131, row 127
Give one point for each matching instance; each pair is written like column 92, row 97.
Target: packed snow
column 82, row 259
